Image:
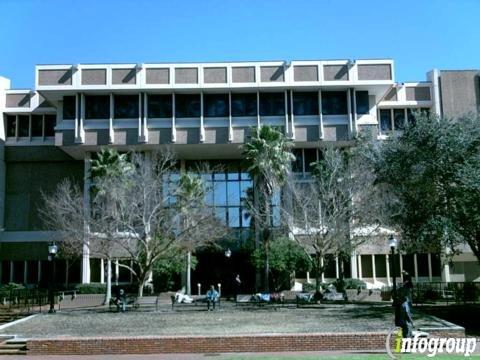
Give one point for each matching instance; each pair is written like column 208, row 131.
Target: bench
column 274, row 300
column 146, row 301
column 197, row 299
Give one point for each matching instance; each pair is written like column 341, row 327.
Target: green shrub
column 93, row 288
column 346, row 284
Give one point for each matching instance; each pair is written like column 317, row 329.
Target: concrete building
column 203, row 111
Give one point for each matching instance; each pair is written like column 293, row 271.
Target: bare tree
column 336, row 209
column 135, row 215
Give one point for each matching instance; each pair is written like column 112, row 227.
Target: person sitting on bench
column 212, row 297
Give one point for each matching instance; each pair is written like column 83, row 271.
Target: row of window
column 30, row 125
column 216, row 105
column 396, row 119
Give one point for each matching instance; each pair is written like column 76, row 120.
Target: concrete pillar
column 387, row 260
column 374, row 271
column 401, row 267
column 102, row 271
column 322, row 265
column 353, row 266
column 446, row 273
column 337, row 268
column 117, row 272
column 25, row 270
column 86, row 205
column 39, row 273
column 111, row 133
column 11, row 271
column 308, row 277
column 360, row 276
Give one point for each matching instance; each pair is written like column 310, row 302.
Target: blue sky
column 419, row 35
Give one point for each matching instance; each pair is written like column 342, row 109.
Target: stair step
column 13, row 352
column 13, row 346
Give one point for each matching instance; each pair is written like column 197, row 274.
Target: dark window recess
column 334, row 103
column 272, row 104
column 37, row 125
column 362, row 102
column 215, row 105
column 244, row 104
column 305, row 103
column 32, row 272
column 23, row 125
column 399, row 119
column 422, row 265
column 50, row 122
column 436, row 265
column 11, row 122
column 411, row 117
column 69, row 107
column 385, row 120
column 5, row 279
column 187, row 105
column 18, row 272
column 159, row 106
column 310, row 157
column 97, row 107
column 126, row 106
column 297, row 165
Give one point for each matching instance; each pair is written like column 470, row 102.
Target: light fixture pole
column 228, row 255
column 52, row 253
column 392, row 243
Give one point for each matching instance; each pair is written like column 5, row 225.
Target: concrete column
column 350, row 115
column 117, row 272
column 389, row 280
column 415, row 266
column 401, row 267
column 430, row 272
column 102, row 271
column 111, row 133
column 230, row 128
column 446, row 273
column 25, row 270
column 374, row 270
column 292, row 117
column 323, row 273
column 174, row 129
column 360, row 276
column 202, row 127
column 11, row 271
column 308, row 277
column 258, row 109
column 286, row 112
column 353, row 266
column 86, row 204
column 337, row 268
column 145, row 117
column 39, row 273
column 320, row 115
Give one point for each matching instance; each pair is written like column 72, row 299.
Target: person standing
column 237, row 286
column 406, row 321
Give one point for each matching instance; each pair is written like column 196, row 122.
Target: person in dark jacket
column 405, row 319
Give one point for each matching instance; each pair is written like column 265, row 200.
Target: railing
column 26, row 300
column 442, row 292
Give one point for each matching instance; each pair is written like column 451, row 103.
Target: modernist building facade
column 203, row 111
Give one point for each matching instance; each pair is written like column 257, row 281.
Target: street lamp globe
column 228, row 253
column 392, row 242
column 52, row 249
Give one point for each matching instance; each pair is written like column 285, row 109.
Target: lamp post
column 52, row 252
column 392, row 243
column 228, row 255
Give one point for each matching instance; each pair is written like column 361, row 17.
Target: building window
column 385, row 120
column 399, row 119
column 362, row 104
column 305, row 103
column 334, row 103
column 97, row 107
column 244, row 104
column 187, row 105
column 215, row 105
column 69, row 107
column 50, row 122
column 272, row 104
column 11, row 123
column 126, row 106
column 160, row 106
column 23, row 125
column 37, row 125
column 310, row 156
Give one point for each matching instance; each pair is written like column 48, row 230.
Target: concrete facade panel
column 305, row 73
column 188, row 136
column 307, row 133
column 186, row 76
column 94, row 76
column 96, row 137
column 55, row 77
column 216, row 135
column 375, row 72
column 335, row 133
column 335, row 72
column 17, row 100
column 124, row 76
column 160, row 136
column 216, row 75
column 417, row 93
column 272, row 74
column 460, row 92
column 64, row 138
column 243, row 74
column 158, row 76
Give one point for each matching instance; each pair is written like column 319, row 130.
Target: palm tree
column 107, row 163
column 190, row 191
column 268, row 158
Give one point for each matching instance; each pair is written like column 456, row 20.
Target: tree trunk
column 108, row 294
column 266, row 240
column 256, row 204
column 318, row 273
column 267, row 267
